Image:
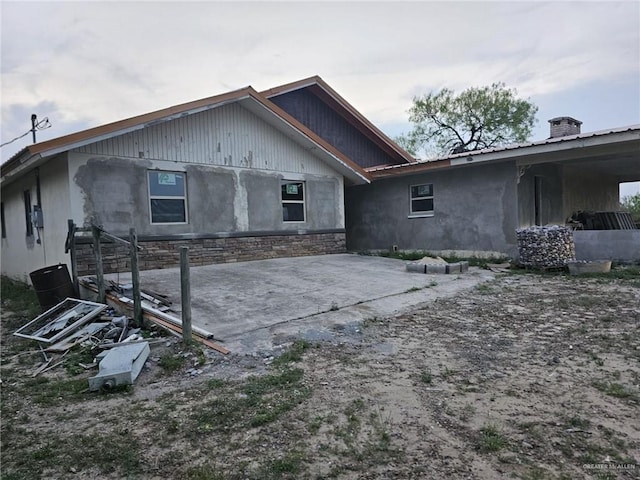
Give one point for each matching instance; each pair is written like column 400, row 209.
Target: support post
column 135, row 279
column 185, row 289
column 97, row 251
column 71, row 248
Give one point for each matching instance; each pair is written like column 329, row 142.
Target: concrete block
column 120, row 366
column 453, row 267
column 464, row 267
column 416, row 267
column 436, row 268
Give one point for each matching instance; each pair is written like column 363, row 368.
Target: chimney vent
column 564, row 126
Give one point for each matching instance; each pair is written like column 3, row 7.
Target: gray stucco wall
column 322, row 197
column 475, row 208
column 114, row 193
column 551, row 196
column 620, row 245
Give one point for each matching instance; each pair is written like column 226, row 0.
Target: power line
column 41, row 125
column 17, row 138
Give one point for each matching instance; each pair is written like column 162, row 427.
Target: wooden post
column 97, row 251
column 72, row 254
column 185, row 289
column 135, row 279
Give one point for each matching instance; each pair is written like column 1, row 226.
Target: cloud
column 101, row 61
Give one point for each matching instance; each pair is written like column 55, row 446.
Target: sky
column 85, row 63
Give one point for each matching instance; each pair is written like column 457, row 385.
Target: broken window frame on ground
column 34, row 329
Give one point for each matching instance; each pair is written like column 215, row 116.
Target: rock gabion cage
column 548, row 247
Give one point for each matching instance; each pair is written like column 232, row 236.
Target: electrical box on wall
column 36, row 217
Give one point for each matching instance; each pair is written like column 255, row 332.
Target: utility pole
column 34, row 122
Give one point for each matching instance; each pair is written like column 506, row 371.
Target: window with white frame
column 421, row 199
column 167, row 196
column 293, row 209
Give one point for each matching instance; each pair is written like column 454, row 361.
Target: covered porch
column 580, row 187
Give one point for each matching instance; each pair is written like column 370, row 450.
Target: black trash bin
column 52, row 285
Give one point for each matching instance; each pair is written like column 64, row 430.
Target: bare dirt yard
column 528, row 376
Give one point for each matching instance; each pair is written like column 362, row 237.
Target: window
column 292, row 201
column 27, row 212
column 4, row 228
column 167, row 197
column 421, row 198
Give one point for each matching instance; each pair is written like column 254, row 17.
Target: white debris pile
column 550, row 246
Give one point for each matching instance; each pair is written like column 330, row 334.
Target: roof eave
column 37, row 152
column 347, row 106
column 341, row 163
column 517, row 152
column 20, row 163
column 335, row 96
column 83, row 137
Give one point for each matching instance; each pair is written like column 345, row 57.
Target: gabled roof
column 557, row 149
column 247, row 97
column 328, row 95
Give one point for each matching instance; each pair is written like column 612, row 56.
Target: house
column 296, row 170
column 234, row 177
column 475, row 201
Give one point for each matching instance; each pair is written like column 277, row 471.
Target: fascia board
column 26, row 164
column 133, row 128
column 535, row 150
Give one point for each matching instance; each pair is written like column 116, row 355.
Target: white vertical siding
column 21, row 254
column 228, row 135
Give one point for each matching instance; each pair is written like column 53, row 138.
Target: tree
column 631, row 203
column 475, row 119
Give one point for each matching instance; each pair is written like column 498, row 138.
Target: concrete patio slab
column 255, row 305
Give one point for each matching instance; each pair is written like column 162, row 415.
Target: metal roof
column 510, row 151
column 247, row 96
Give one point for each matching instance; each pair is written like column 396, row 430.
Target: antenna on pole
column 34, row 122
column 35, row 125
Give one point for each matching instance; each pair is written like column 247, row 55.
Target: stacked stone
column 547, row 247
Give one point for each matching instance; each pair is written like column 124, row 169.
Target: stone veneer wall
column 207, row 251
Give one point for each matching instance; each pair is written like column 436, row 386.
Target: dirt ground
column 528, row 376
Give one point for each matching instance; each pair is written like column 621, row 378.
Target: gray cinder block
column 416, row 267
column 436, row 268
column 453, row 267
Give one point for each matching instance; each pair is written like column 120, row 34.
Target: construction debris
column 79, row 336
column 95, row 327
column 152, row 314
column 504, row 267
column 119, row 366
column 60, row 321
